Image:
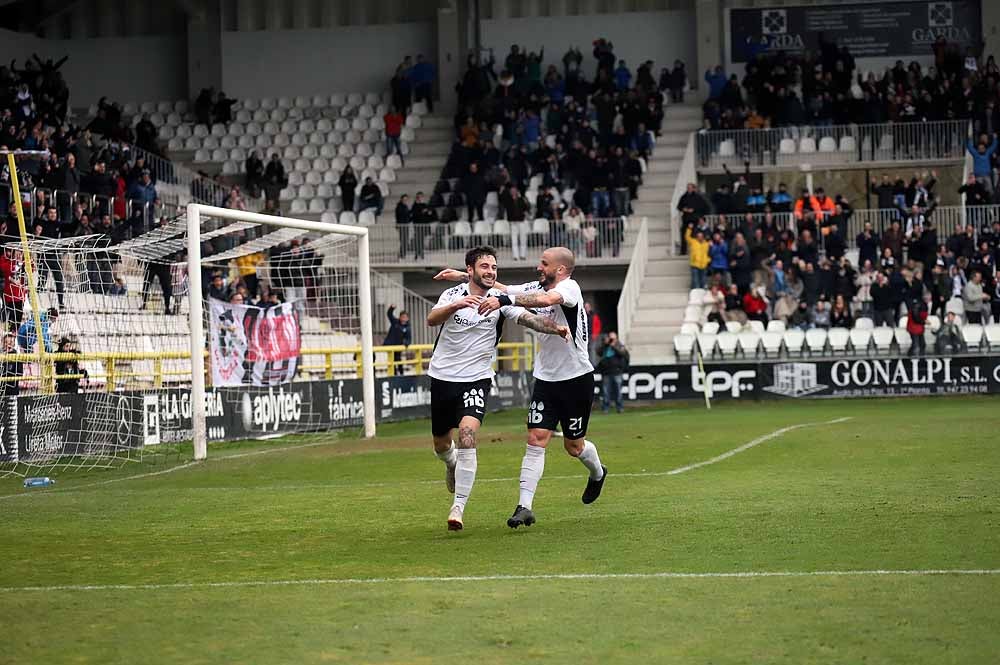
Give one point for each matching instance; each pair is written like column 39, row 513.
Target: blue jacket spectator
column 623, row 77
column 143, row 190
column 27, row 337
column 719, row 251
column 400, row 332
column 981, row 156
column 531, row 128
column 422, row 72
column 716, row 82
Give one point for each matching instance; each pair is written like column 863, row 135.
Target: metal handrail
column 788, row 146
column 628, row 299
column 688, row 173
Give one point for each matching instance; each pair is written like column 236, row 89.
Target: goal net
column 220, row 325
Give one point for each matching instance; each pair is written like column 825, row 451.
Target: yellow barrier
column 518, row 355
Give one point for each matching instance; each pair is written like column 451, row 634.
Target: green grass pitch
column 903, row 485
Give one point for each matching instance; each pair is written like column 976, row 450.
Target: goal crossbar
column 195, row 213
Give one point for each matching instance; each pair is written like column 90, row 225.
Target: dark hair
column 53, row 312
column 477, row 253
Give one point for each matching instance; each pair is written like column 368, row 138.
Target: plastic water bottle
column 38, row 482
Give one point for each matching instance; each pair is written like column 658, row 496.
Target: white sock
column 531, row 472
column 591, row 460
column 465, row 475
column 448, row 456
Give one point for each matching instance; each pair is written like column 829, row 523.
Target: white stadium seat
column 827, row 144
column 684, row 345
column 794, row 341
column 733, row 327
column 787, row 147
column 706, row 344
column 861, row 339
column 749, row 341
column 727, row 343
column 816, row 340
column 710, row 328
column 991, row 334
column 882, row 338
column 972, row 333
column 838, row 339
column 771, row 343
column 903, row 340
column 689, row 329
column 807, row 145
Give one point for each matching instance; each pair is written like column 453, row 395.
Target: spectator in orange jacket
column 806, row 200
column 823, row 203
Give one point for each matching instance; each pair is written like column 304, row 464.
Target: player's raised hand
column 451, row 275
column 488, row 305
column 469, row 301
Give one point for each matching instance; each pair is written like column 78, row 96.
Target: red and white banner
column 253, row 345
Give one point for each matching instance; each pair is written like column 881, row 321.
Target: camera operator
column 613, row 362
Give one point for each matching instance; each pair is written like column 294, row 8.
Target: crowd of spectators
column 824, row 87
column 583, row 136
column 753, row 270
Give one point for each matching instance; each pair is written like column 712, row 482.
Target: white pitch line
column 669, row 575
column 747, row 446
column 640, row 474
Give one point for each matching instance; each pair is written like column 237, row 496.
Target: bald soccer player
column 564, row 378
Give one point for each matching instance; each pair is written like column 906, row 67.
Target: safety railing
column 195, row 186
column 946, row 220
column 115, row 371
column 389, row 293
column 599, row 240
column 833, row 144
column 687, row 174
column 34, row 200
column 628, row 299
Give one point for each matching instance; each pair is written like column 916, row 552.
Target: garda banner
column 883, row 30
column 825, row 378
column 253, row 345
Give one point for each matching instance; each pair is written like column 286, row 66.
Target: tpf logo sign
column 643, row 385
column 723, row 381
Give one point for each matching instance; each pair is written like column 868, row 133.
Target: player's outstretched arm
column 543, row 325
column 439, row 315
column 452, row 275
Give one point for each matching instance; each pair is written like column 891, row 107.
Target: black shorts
column 566, row 403
column 451, row 401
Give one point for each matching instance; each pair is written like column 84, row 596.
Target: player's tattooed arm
column 535, row 299
column 543, row 325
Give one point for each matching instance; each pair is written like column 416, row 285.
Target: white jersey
column 466, row 343
column 557, row 359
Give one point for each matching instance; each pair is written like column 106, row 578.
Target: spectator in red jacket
column 12, row 268
column 915, row 321
column 393, row 130
column 755, row 305
column 594, row 326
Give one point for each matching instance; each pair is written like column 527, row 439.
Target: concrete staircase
column 666, row 283
column 422, row 169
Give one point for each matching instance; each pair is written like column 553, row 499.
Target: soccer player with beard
column 564, row 378
column 461, row 367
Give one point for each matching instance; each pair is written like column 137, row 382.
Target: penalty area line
column 418, row 579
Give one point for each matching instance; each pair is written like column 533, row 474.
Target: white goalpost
column 196, row 213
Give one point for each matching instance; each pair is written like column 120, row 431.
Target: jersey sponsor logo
column 462, row 321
